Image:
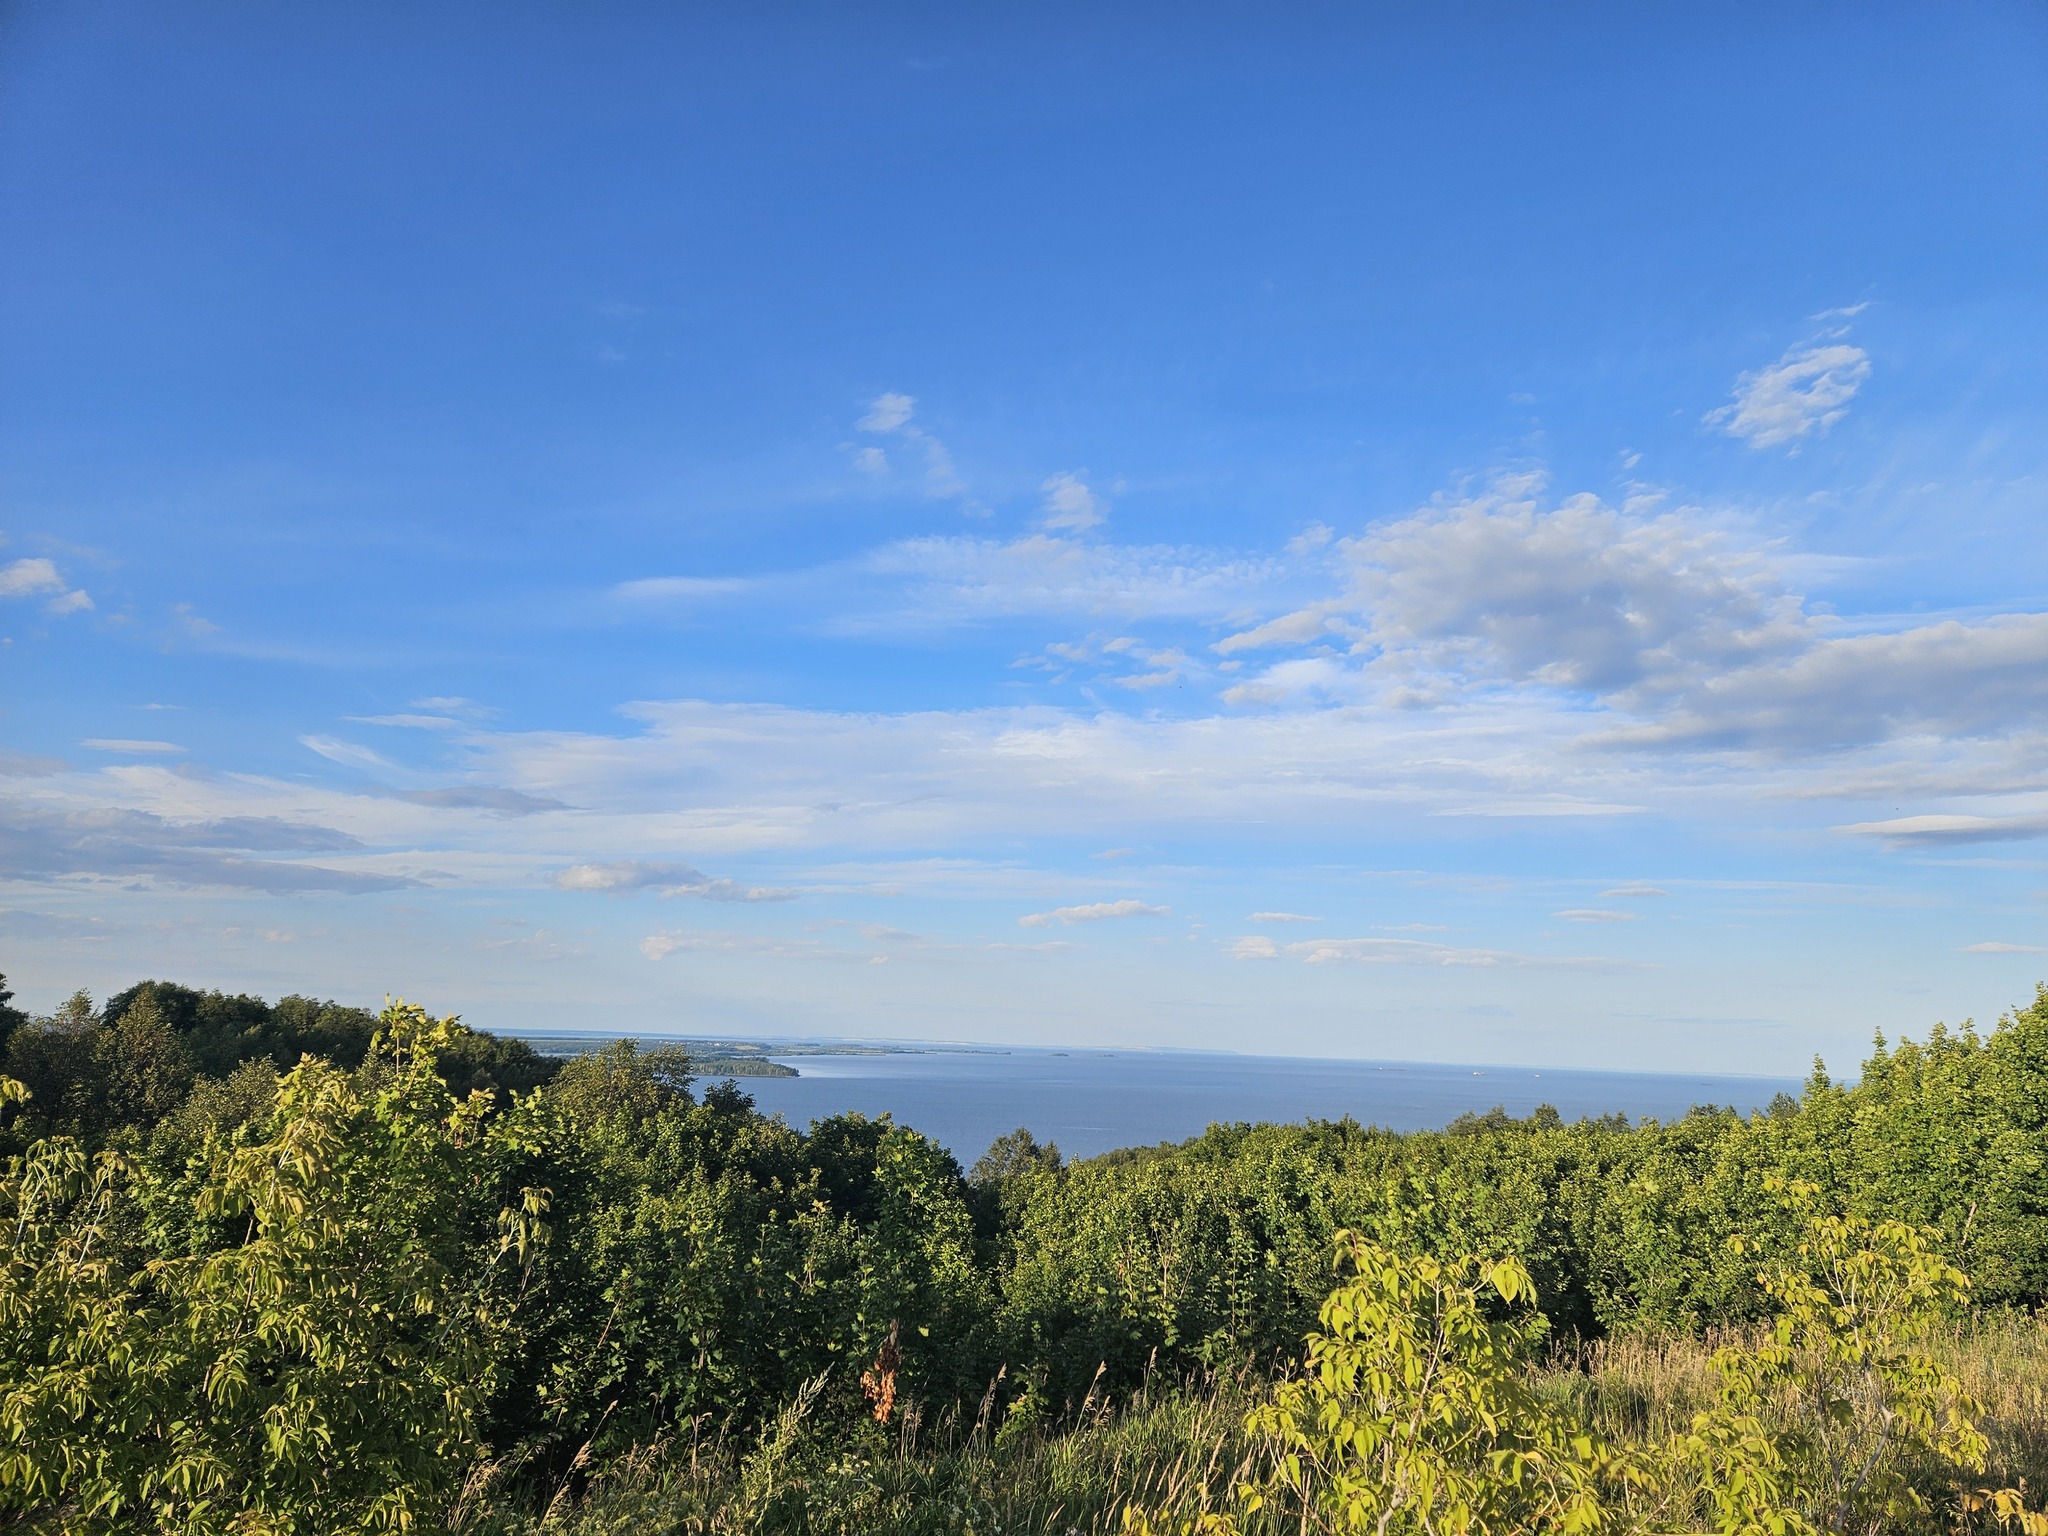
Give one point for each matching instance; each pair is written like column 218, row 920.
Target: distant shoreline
column 776, row 1052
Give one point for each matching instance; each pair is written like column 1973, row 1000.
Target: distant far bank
column 708, row 1058
column 1095, row 1101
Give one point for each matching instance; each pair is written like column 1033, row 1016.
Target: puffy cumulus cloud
column 1498, row 589
column 1686, row 633
column 1069, row 503
column 37, row 577
column 26, row 578
column 668, row 879
column 1093, row 912
column 1949, row 677
column 1581, row 596
column 1807, row 390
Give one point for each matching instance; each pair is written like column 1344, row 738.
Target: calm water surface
column 1093, row 1101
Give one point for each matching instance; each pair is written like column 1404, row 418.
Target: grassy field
column 1175, row 1446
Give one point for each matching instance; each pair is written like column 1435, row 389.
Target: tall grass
column 1173, row 1447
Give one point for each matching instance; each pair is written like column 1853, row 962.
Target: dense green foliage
column 132, row 1063
column 293, row 1267
column 1218, row 1247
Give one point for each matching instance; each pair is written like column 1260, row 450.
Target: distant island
column 744, row 1058
column 708, row 1058
column 740, row 1066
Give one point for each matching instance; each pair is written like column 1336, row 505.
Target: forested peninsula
column 294, row 1267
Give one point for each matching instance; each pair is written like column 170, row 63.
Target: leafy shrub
column 290, row 1337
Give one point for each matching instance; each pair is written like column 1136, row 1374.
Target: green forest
column 297, row 1268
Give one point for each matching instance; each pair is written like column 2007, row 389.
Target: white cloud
column 347, row 753
column 26, row 578
column 455, row 704
column 1685, row 630
column 888, row 413
column 1582, row 596
column 1496, row 589
column 1070, row 504
column 1594, row 915
column 46, row 843
column 1938, row 830
column 1623, row 892
column 1281, row 917
column 659, row 946
column 1807, row 390
column 871, row 461
column 894, row 415
column 1094, row 912
column 1996, row 948
column 409, row 722
column 667, row 878
column 130, row 748
column 1306, row 677
column 680, row 588
column 1949, row 677
column 36, row 576
column 948, row 581
column 1405, row 952
column 1300, row 628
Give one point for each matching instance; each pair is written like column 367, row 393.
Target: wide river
column 1092, row 1101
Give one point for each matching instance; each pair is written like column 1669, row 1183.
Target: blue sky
column 1465, row 533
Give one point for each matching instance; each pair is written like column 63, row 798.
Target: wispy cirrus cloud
column 1377, row 951
column 668, row 589
column 1936, row 830
column 659, row 946
column 667, row 879
column 248, row 853
column 1093, row 912
column 1803, row 393
column 494, row 798
column 947, row 581
column 894, row 416
column 128, row 747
